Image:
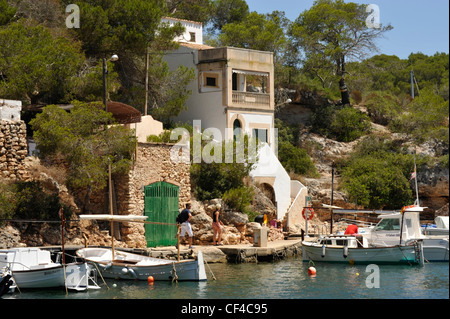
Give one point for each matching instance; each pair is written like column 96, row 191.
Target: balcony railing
column 251, row 99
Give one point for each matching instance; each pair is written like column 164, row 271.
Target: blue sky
column 419, row 25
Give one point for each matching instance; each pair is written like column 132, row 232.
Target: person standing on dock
column 217, row 226
column 184, row 218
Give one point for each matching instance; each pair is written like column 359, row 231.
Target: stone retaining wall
column 13, row 149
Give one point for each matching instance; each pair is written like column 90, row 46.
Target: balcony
column 260, row 100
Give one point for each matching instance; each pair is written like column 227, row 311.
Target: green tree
column 193, row 10
column 228, row 11
column 332, row 31
column 87, row 140
column 6, row 12
column 377, row 174
column 257, row 32
column 34, row 64
column 213, row 180
column 427, row 117
column 349, row 124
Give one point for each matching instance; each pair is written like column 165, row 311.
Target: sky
column 419, row 25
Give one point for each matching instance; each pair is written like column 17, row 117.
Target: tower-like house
column 233, row 91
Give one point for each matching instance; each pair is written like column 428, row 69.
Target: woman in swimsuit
column 217, row 226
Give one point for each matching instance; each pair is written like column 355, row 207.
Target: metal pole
column 111, row 208
column 105, row 71
column 306, row 216
column 412, row 84
column 146, row 81
column 333, row 165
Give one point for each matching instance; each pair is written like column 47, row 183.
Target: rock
column 10, row 237
column 213, row 255
column 234, row 218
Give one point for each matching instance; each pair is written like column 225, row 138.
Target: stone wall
column 13, row 149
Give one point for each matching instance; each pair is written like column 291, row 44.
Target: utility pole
column 146, row 80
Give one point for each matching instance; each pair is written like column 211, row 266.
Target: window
column 211, row 80
column 192, row 34
column 237, row 127
column 388, row 224
column 260, row 134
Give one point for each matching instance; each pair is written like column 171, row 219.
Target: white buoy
column 323, row 251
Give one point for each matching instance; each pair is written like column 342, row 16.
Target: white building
column 10, row 110
column 233, row 91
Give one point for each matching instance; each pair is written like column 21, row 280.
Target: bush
column 28, row 200
column 349, row 124
column 296, row 160
column 239, row 198
column 377, row 174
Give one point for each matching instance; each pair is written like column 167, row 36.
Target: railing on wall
column 247, row 98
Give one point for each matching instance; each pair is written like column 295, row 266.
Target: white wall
column 206, row 106
column 10, row 110
column 269, row 165
column 147, row 126
column 190, row 26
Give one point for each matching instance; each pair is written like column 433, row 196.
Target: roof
column 195, row 46
column 181, row 20
column 124, row 113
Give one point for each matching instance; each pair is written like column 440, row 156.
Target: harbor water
column 284, row 279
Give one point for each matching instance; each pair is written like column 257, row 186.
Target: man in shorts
column 185, row 217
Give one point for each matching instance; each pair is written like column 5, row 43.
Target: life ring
column 310, row 212
column 407, row 207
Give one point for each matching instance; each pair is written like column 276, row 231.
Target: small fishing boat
column 34, row 268
column 124, row 265
column 356, row 250
column 387, row 233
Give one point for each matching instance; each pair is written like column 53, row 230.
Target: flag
column 413, row 175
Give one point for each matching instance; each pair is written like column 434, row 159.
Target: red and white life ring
column 310, row 212
column 404, row 208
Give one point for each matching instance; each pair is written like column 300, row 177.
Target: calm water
column 286, row 279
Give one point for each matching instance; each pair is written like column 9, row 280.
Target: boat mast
column 111, row 208
column 415, row 178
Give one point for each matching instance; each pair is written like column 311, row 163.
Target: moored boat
column 33, row 268
column 404, row 228
column 127, row 265
column 355, row 250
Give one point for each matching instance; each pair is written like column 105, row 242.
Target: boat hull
column 436, row 250
column 377, row 255
column 137, row 267
column 76, row 277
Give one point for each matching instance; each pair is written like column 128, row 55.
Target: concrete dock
column 275, row 250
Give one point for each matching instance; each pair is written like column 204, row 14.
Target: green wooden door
column 161, row 206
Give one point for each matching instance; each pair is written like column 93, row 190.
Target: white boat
column 127, row 265
column 440, row 228
column 33, row 268
column 356, row 250
column 387, row 233
column 124, row 265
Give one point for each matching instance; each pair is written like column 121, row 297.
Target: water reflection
column 287, row 279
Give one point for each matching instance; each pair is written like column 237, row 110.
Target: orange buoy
column 311, row 271
column 151, row 280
